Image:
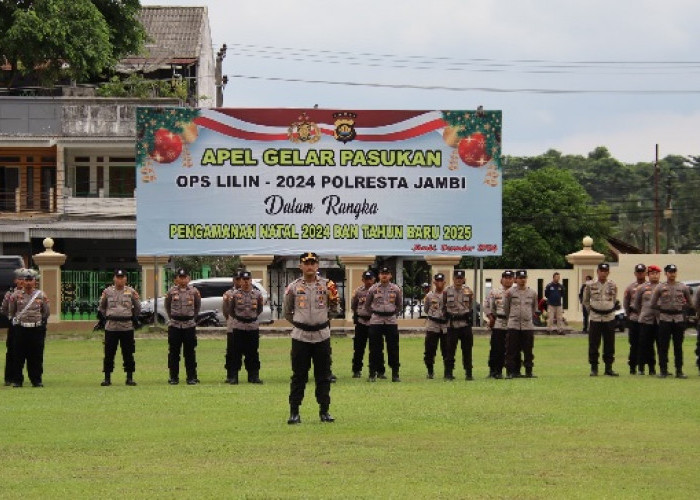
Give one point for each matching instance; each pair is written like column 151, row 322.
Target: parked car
column 212, row 291
column 692, row 319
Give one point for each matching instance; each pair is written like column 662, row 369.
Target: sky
column 568, row 75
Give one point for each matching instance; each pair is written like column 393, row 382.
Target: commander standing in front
column 309, row 304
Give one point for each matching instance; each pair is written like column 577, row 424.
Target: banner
column 286, row 181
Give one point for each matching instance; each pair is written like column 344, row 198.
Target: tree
column 78, row 39
column 546, row 214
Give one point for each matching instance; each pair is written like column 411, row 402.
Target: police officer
column 634, row 328
column 519, row 306
column 10, row 376
column 241, row 308
column 498, row 323
column 648, row 321
column 600, row 297
column 119, row 306
column 182, row 303
column 696, row 305
column 459, row 300
column 361, row 319
column 309, row 304
column 29, row 309
column 384, row 302
column 671, row 298
column 435, row 324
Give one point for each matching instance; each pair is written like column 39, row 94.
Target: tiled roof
column 175, row 36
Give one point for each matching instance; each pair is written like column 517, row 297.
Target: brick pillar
column 50, row 263
column 585, row 262
column 444, row 264
column 355, row 265
column 152, row 275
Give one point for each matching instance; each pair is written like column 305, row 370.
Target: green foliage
column 220, row 266
column 135, row 85
column 563, row 435
column 77, row 39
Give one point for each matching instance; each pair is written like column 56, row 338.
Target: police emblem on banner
column 304, row 130
column 344, row 126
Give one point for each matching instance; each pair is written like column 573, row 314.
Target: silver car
column 212, row 291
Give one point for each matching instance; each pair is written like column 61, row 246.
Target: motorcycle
column 204, row 318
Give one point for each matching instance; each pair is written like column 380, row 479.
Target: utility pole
column 657, row 218
column 219, row 78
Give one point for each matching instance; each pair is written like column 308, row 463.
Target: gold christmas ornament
column 451, row 136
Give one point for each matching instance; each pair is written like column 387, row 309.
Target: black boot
column 448, row 374
column 357, row 374
column 529, row 374
column 680, row 374
column 130, row 379
column 107, row 381
column 174, row 379
column 663, row 372
column 498, row 374
column 232, row 378
column 294, row 417
column 254, row 378
column 325, row 416
column 431, row 373
column 594, row 370
column 372, row 377
column 395, row 376
column 609, row 371
column 468, row 375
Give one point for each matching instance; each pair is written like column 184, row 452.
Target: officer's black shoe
column 130, row 381
column 294, row 417
column 491, row 374
column 37, row 384
column 633, row 371
column 395, row 377
column 641, row 371
column 449, row 375
column 510, row 376
column 173, row 381
column 381, row 376
column 334, row 379
column 529, row 374
column 663, row 374
column 356, row 374
column 106, row 382
column 652, row 371
column 255, row 380
column 232, row 379
column 468, row 376
column 594, row 370
column 326, row 417
column 497, row 375
column 372, row 377
column 680, row 374
column 610, row 373
column 192, row 381
column 16, row 384
column 8, row 383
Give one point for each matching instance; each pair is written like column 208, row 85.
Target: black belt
column 501, row 316
column 364, row 317
column 437, row 320
column 182, row 318
column 602, row 311
column 670, row 311
column 119, row 318
column 384, row 313
column 244, row 320
column 460, row 316
column 311, row 328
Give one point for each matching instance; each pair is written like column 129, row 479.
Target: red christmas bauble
column 472, row 150
column 167, row 146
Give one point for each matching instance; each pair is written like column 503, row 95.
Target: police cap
column 439, row 277
column 384, row 270
column 368, row 275
column 244, row 275
column 604, row 266
column 507, row 274
column 458, row 273
column 521, row 273
column 425, row 285
column 19, row 272
column 118, row 273
column 182, row 273
column 28, row 274
column 308, row 257
column 670, row 268
column 640, row 268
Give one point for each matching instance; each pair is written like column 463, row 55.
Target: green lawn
column 563, row 435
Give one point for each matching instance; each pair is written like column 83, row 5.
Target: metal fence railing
column 81, row 292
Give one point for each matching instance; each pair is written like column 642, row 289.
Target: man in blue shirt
column 554, row 293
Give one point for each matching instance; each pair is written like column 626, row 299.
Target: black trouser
column 29, row 346
column 585, row 319
column 464, row 336
column 649, row 337
column 112, row 340
column 240, row 344
column 518, row 341
column 10, row 374
column 606, row 331
column 697, row 347
column 377, row 334
column 185, row 339
column 497, row 354
column 671, row 330
column 432, row 339
column 634, row 336
column 302, row 355
column 359, row 344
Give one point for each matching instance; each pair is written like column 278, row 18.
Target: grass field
column 562, row 435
